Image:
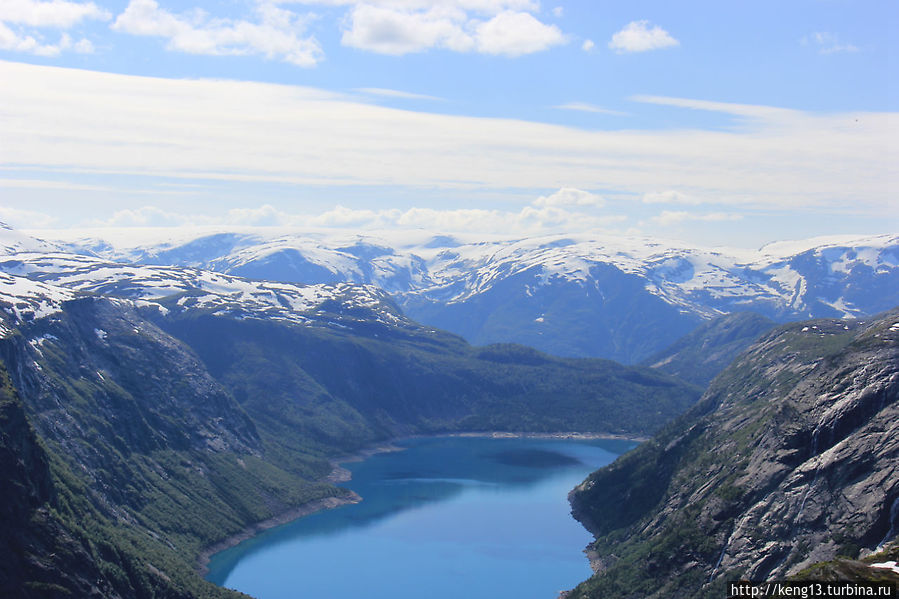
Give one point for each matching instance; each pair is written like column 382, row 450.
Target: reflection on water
column 458, row 516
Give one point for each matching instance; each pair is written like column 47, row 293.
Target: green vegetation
column 699, row 356
column 741, row 470
column 144, row 446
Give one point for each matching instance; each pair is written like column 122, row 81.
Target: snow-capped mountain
column 35, row 285
column 622, row 298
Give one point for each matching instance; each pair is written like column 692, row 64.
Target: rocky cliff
column 790, row 458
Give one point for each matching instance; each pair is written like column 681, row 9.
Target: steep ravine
column 790, row 458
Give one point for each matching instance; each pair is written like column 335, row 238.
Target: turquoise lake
column 445, row 518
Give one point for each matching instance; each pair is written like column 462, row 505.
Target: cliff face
column 790, row 458
column 47, row 548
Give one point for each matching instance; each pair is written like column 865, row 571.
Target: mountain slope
column 151, row 458
column 789, row 459
column 58, row 541
column 700, row 355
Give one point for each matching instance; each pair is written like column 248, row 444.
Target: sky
column 719, row 123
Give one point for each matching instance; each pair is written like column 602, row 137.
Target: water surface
column 448, row 517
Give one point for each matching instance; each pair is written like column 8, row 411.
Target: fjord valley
column 162, row 399
column 155, row 411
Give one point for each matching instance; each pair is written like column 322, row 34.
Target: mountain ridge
column 785, row 462
column 537, row 291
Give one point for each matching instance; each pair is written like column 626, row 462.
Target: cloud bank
column 225, row 131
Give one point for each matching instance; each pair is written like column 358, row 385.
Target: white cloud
column 528, row 220
column 585, row 107
column 828, row 43
column 516, row 33
column 569, row 196
column 263, row 216
column 147, row 216
column 201, row 129
column 57, row 13
column 760, row 114
column 486, row 7
column 10, row 40
column 277, row 35
column 398, row 32
column 83, row 46
column 393, row 93
column 558, row 11
column 25, row 219
column 671, row 217
column 28, row 16
column 588, row 45
column 669, row 196
column 637, row 36
column 388, row 28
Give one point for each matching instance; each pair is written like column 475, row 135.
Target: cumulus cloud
column 147, row 216
column 532, row 219
column 638, row 36
column 672, row 217
column 57, row 13
column 29, row 16
column 397, row 29
column 278, row 34
column 26, row 219
column 10, row 40
column 486, row 7
column 588, row 45
column 669, row 196
column 390, row 31
column 569, row 196
column 516, row 33
column 828, row 43
column 263, row 216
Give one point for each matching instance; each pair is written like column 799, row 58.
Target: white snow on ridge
column 22, row 299
column 454, row 268
column 54, row 278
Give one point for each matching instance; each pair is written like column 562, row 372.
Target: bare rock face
column 790, row 458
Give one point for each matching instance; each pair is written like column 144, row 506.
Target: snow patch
column 891, row 565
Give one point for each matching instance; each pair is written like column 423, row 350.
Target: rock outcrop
column 790, row 458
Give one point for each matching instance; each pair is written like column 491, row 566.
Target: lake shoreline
column 339, row 475
column 573, row 436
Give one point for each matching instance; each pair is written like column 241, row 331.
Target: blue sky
column 719, row 122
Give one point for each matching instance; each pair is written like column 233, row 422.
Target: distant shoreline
column 574, row 436
column 339, row 474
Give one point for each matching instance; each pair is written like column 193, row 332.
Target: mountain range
column 158, row 398
column 619, row 298
column 149, row 412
